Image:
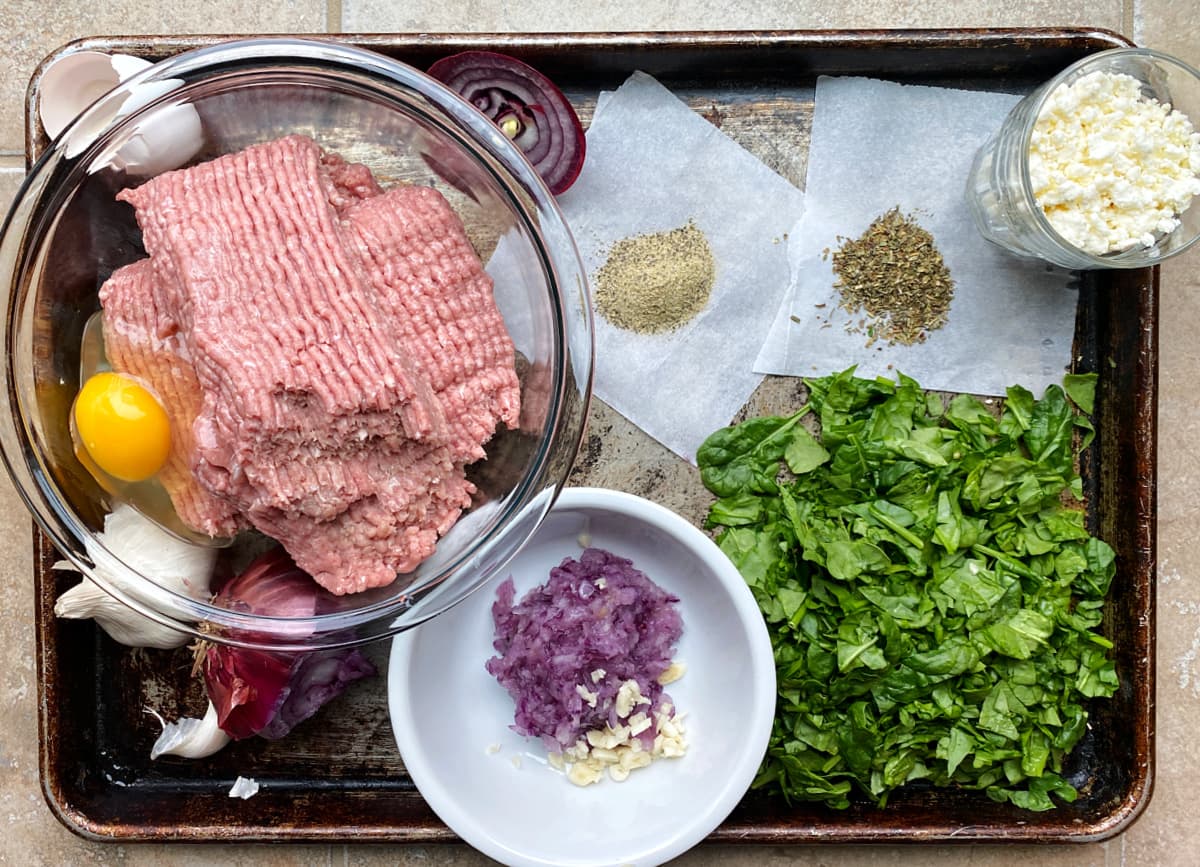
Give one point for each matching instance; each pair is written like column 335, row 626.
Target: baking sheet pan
column 340, row 777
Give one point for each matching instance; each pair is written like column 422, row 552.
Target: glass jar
column 1000, row 193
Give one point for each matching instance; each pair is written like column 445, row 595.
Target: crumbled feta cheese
column 1110, row 168
column 492, row 749
column 516, row 762
column 598, row 675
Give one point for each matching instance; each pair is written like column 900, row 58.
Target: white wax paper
column 652, row 165
column 876, row 145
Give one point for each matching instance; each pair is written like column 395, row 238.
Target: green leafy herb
column 934, row 606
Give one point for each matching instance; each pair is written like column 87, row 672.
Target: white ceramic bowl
column 448, row 713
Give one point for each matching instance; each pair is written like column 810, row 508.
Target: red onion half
column 527, row 107
column 267, row 693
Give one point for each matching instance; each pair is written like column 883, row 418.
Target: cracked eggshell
column 164, row 140
column 73, row 82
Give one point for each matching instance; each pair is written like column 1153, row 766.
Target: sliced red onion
column 261, row 692
column 527, row 106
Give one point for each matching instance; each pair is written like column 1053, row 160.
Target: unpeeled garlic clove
column 189, row 737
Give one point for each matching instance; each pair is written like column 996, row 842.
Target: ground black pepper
column 656, row 282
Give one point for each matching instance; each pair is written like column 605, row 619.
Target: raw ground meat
column 330, row 355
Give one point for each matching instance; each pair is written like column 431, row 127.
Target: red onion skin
column 247, row 687
column 272, row 585
column 317, row 678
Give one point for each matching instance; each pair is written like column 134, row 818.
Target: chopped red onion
column 596, row 623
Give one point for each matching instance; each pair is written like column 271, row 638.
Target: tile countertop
column 1165, row 834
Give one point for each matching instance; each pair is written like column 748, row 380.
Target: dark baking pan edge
column 990, row 51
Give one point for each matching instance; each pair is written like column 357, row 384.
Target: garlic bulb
column 121, row 622
column 189, row 737
column 131, row 541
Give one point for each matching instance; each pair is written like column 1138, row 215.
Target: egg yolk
column 122, row 426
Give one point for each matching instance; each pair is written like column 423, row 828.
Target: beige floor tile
column 1169, row 25
column 20, row 797
column 33, row 28
column 502, row 16
column 1167, row 833
column 12, row 171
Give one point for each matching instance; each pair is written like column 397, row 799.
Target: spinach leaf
column 933, row 604
column 1081, row 388
column 745, row 458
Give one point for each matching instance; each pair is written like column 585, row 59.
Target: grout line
column 1139, row 21
column 12, row 160
column 333, row 16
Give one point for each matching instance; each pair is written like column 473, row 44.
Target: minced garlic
column 619, row 751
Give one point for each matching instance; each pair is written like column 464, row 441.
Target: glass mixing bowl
column 66, row 233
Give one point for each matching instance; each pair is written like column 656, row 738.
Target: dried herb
column 656, row 282
column 896, row 275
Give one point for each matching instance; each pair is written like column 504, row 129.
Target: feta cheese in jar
column 1110, row 168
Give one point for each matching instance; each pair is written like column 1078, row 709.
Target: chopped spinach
column 933, row 604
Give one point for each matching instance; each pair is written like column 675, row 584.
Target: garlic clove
column 189, row 737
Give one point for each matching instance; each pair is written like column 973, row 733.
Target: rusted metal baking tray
column 339, row 777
